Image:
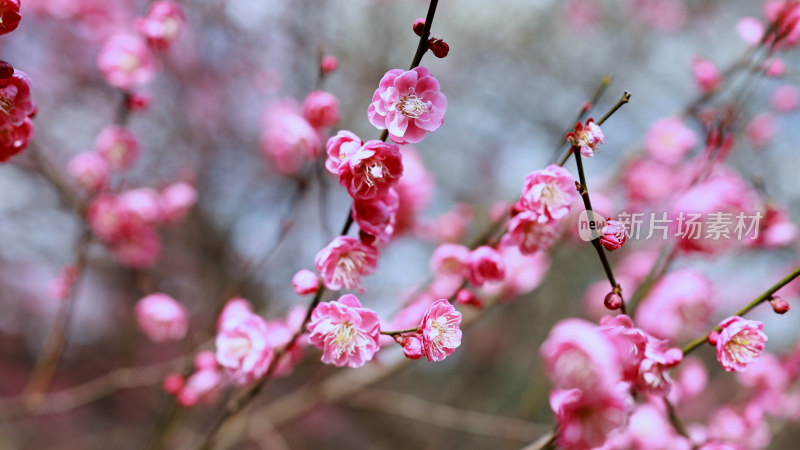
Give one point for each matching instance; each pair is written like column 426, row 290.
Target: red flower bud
column 419, row 26
column 712, row 337
column 779, row 305
column 6, row 70
column 439, row 47
column 613, row 301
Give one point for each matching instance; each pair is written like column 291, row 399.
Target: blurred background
column 516, row 75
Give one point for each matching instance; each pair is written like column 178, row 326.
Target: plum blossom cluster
column 247, row 344
column 127, row 61
column 594, row 370
column 547, row 195
column 127, row 222
column 586, row 137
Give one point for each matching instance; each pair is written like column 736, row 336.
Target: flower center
column 413, row 106
column 552, row 195
column 239, row 347
column 347, row 271
column 347, row 338
column 7, row 96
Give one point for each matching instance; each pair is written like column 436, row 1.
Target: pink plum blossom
column 761, row 129
column 679, row 305
column 139, row 248
column 162, row 318
column 523, row 273
column 126, row 62
column 235, row 309
column 629, row 342
column 347, row 333
column 578, row 354
column 586, row 417
column 775, row 67
column 409, row 104
column 669, row 140
column 740, row 343
column 485, row 264
column 586, row 137
column 200, row 387
column 141, row 206
column 16, row 103
column 175, row 201
column 614, row 235
column 785, row 98
column 163, row 24
column 376, row 216
column 706, row 74
column 750, row 29
column 340, row 148
column 321, row 109
column 529, row 234
column 548, row 192
column 243, row 349
column 305, row 282
column 668, row 15
column 412, row 345
column 371, row 170
column 288, row 140
column 450, row 261
column 658, row 358
column 344, row 261
column 89, row 170
column 440, row 330
column 118, row 146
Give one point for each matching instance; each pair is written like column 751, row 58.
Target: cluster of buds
column 439, row 47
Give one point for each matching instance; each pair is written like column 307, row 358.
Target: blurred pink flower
column 785, row 15
column 750, row 29
column 629, row 341
column 653, row 370
column 485, row 264
column 376, row 216
column 305, row 282
column 118, row 146
column 371, row 170
column 126, row 62
column 586, row 137
column 761, row 129
column 340, row 148
column 668, row 15
column 138, row 248
column 288, row 140
column 243, row 348
column 440, row 330
column 163, row 24
column 321, row 109
column 347, row 333
column 140, row 206
column 669, row 140
column 706, row 74
column 450, row 261
column 175, row 201
column 785, row 98
column 89, row 170
column 344, row 261
column 529, row 234
column 409, row 104
column 586, row 416
column 548, row 192
column 740, row 343
column 578, row 354
column 679, row 305
column 200, row 387
column 161, row 318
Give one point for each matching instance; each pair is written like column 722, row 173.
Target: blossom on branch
column 739, row 343
column 347, row 333
column 408, row 104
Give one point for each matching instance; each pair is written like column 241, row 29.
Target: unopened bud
column 439, row 47
column 467, row 297
column 712, row 337
column 613, row 301
column 779, row 305
column 419, row 26
column 6, row 70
